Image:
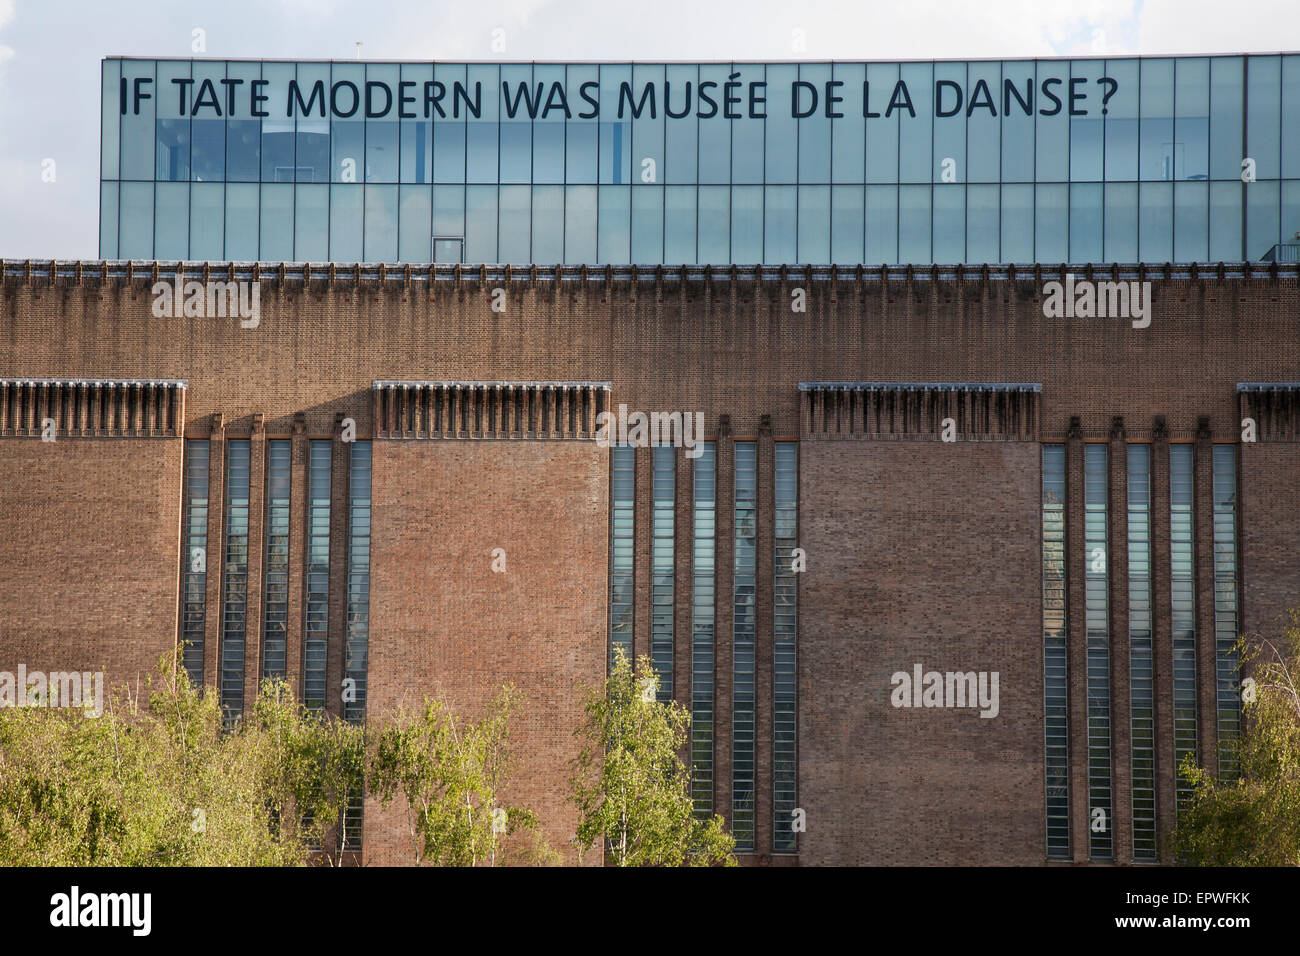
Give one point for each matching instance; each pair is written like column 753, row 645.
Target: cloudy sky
column 50, row 52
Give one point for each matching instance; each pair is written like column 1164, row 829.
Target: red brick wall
column 929, row 553
column 443, row 624
column 89, row 554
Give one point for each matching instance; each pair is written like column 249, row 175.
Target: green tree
column 451, row 774
column 1253, row 820
column 631, row 786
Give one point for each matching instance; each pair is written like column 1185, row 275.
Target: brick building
column 1095, row 533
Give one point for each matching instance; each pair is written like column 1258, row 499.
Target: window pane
column 1264, row 114
column 1052, row 217
column 747, row 224
column 814, row 224
column 1262, row 226
column 1085, row 222
column 615, row 224
column 1191, row 118
column 1191, row 222
column 108, row 220
column 1086, row 132
column 345, row 223
column 417, row 132
column 647, row 130
column 277, row 223
column 1052, row 122
column 449, row 117
column 982, row 224
column 647, row 225
column 615, row 130
column 381, row 123
column 548, row 225
column 1018, row 223
column 207, row 221
column 949, row 223
column 517, row 130
column 679, row 224
column 171, row 221
column 848, row 132
column 914, row 139
column 514, row 228
column 1226, row 117
column 581, row 133
column 138, row 127
column 481, row 224
column 580, row 224
column 413, row 243
column 1018, row 105
column 847, row 224
column 747, row 133
column 781, row 133
column 172, row 144
column 714, row 225
column 1122, row 123
column 914, row 224
column 1156, row 228
column 779, row 224
column 482, row 132
column 882, row 219
column 681, row 128
column 1121, row 223
column 949, row 130
column 311, row 223
column 882, row 132
column 278, row 128
column 814, row 129
column 241, row 222
column 312, row 152
column 1156, row 156
column 110, row 125
column 983, row 126
column 381, row 224
column 1225, row 221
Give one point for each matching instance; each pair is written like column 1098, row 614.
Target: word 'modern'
column 655, row 430
column 74, row 908
column 206, row 300
column 82, row 689
column 951, row 689
column 1086, row 299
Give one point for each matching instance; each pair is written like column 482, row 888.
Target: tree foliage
column 451, row 774
column 630, row 784
column 1253, row 820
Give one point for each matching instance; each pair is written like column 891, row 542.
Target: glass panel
column 743, row 642
column 714, row 131
column 317, row 567
column 949, row 162
column 311, row 225
column 1056, row 701
column 108, row 220
column 647, row 225
column 615, row 225
column 1183, row 585
column 1156, row 228
column 1018, row 223
column 785, row 628
column 814, row 224
column 381, row 224
column 747, row 224
column 1191, row 222
column 110, row 128
column 311, row 104
column 207, row 221
column 450, row 112
column 1096, row 562
column 1226, row 620
column 949, row 223
column 1052, row 123
column 581, row 131
column 520, row 103
column 882, row 220
column 1141, row 670
column 241, row 222
column 781, row 130
column 1087, row 122
column 679, row 224
column 983, row 126
column 882, row 127
column 1225, row 221
column 982, row 224
column 234, row 583
column 514, row 223
column 172, row 143
column 580, row 224
column 1156, row 159
column 278, row 128
column 1264, row 114
column 345, row 223
column 481, row 224
column 414, row 217
column 243, row 128
column 1086, row 222
column 1051, row 223
column 171, row 225
column 1121, row 224
column 1226, row 91
column 779, row 224
column 815, row 127
column 482, row 131
column 1122, row 123
column 648, row 127
column 1018, row 106
column 1262, row 225
column 748, row 132
column 194, row 558
column 417, row 127
column 136, row 232
column 914, row 224
column 275, row 582
column 1191, row 118
column 849, row 131
column 548, row 224
column 915, row 158
column 615, row 125
column 848, row 223
column 277, row 223
column 357, row 641
column 663, row 490
column 714, row 225
column 622, row 582
column 548, row 127
column 382, row 123
column 138, row 122
column 703, row 611
column 1290, row 117
column 681, row 128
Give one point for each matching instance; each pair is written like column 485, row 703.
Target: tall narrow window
column 194, row 576
column 275, row 588
column 785, row 620
column 234, row 611
column 1141, row 676
column 358, row 632
column 661, row 589
column 1096, row 613
column 703, row 607
column 1055, row 688
column 1225, row 606
column 316, row 629
column 622, row 525
column 744, row 630
column 1183, row 611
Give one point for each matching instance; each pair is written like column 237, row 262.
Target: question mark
column 1111, row 86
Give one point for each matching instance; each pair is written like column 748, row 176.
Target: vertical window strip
column 1183, row 612
column 1096, row 620
column 744, row 631
column 275, row 587
column 1225, row 607
column 234, row 610
column 702, row 634
column 663, row 482
column 622, row 525
column 358, row 631
column 316, row 625
column 1141, row 674
column 785, row 619
column 1055, row 686
column 194, row 580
